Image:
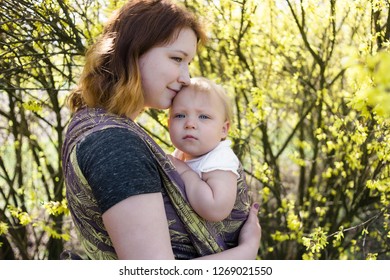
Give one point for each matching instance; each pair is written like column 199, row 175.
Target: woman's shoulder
column 112, row 147
column 115, row 139
column 117, row 164
column 113, row 134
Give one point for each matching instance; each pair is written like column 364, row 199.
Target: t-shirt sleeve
column 117, row 164
column 222, row 158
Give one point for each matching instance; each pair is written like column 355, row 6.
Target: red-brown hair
column 111, row 77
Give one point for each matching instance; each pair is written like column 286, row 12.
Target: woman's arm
column 138, row 229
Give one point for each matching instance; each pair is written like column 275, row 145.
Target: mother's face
column 164, row 69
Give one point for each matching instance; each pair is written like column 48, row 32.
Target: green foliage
column 57, row 208
column 33, row 106
column 3, row 228
column 310, row 85
column 315, row 243
column 374, row 83
column 41, row 51
column 312, row 157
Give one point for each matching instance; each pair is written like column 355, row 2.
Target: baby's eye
column 204, row 117
column 179, row 116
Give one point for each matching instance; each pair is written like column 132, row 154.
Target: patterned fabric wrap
column 191, row 236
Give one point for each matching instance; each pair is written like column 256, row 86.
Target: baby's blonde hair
column 205, row 85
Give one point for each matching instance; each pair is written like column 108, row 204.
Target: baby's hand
column 180, row 165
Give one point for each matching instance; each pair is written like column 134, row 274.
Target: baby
column 199, row 122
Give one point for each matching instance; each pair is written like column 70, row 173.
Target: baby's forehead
column 199, row 100
column 196, row 94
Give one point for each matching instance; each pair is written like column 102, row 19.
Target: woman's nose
column 184, row 77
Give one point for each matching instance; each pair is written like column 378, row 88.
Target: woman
column 125, row 197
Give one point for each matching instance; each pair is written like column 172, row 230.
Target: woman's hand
column 250, row 234
column 248, row 242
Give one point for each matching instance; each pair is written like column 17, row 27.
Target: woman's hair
column 111, row 77
column 201, row 84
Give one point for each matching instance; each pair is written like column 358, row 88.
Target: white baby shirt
column 221, row 157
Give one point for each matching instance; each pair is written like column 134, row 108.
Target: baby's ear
column 225, row 129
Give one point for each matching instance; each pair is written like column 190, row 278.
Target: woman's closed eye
column 177, row 59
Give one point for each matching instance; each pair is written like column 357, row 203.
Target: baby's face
column 197, row 122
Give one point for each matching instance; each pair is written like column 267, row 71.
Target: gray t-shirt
column 117, row 164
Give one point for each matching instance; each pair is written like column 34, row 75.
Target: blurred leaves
column 310, row 85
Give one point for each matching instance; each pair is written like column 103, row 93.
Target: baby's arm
column 213, row 197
